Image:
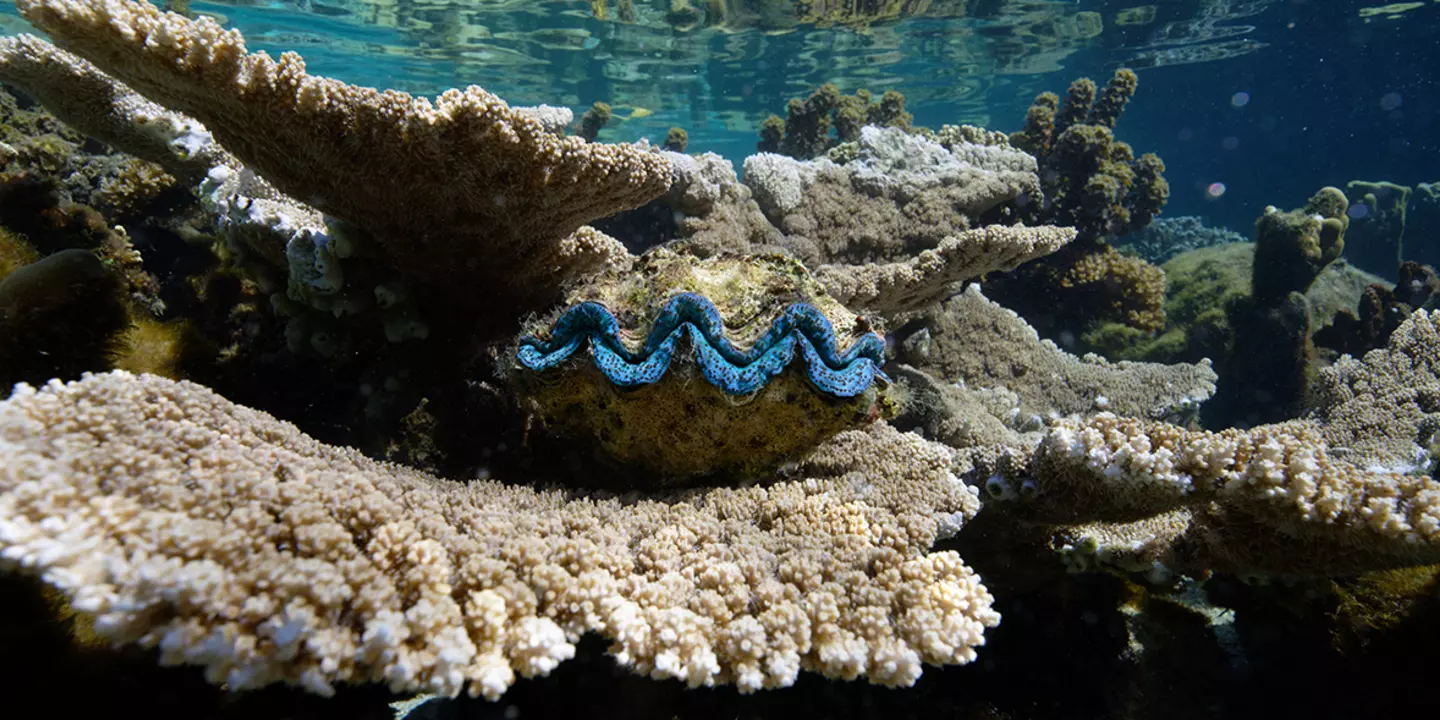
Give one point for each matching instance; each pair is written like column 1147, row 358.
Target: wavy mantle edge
column 800, row 328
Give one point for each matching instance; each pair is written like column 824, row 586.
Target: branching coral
column 1383, row 411
column 229, row 540
column 440, row 184
column 1096, row 184
column 1338, row 493
column 805, row 133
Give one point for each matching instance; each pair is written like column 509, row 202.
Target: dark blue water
column 1251, row 103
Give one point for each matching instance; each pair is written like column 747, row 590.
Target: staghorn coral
column 933, row 275
column 800, row 329
column 402, row 168
column 230, row 540
column 979, row 342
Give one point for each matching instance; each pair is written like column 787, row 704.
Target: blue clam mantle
column 800, row 328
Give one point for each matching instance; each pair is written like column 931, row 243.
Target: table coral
column 692, row 317
column 1271, row 498
column 901, row 194
column 972, row 339
column 934, row 274
column 230, row 540
column 439, row 184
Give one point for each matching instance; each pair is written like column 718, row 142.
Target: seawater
column 1250, row 102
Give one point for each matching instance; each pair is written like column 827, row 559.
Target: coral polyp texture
column 716, row 410
column 692, row 317
column 230, row 540
column 440, row 184
column 1271, row 498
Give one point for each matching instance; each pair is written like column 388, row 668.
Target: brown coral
column 460, row 187
column 1270, row 498
column 230, row 540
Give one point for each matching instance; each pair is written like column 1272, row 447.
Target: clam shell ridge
column 801, row 329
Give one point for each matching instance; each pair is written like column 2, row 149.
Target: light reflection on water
column 719, row 67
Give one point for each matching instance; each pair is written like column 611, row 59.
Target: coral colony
column 362, row 263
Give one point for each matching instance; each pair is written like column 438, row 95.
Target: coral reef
column 1384, row 408
column 400, row 167
column 1090, row 180
column 974, row 340
column 1094, row 183
column 59, row 316
column 1268, row 499
column 1200, row 285
column 265, row 556
column 1423, row 217
column 1375, row 239
column 1271, row 360
column 86, row 99
column 1380, row 311
column 931, row 276
column 585, row 355
column 900, row 195
column 1165, row 238
column 1343, row 491
column 594, row 120
column 676, row 140
column 1291, row 248
column 805, row 132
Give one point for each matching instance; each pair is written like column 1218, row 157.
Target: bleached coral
column 228, row 539
column 901, row 194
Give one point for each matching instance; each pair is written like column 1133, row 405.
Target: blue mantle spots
column 800, row 329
